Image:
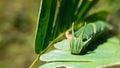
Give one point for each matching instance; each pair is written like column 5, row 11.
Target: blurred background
column 18, row 21
column 17, row 31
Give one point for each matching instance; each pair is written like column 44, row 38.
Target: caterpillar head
column 76, row 43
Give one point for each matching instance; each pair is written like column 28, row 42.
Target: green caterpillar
column 86, row 33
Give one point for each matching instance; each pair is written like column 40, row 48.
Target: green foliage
column 83, row 9
column 44, row 25
column 56, row 14
column 105, row 54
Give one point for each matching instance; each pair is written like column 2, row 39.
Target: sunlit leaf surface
column 107, row 53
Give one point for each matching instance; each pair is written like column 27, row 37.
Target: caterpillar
column 86, row 33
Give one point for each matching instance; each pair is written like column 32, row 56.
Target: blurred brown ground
column 17, row 32
column 18, row 25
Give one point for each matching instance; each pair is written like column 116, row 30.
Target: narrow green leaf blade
column 84, row 9
column 42, row 25
column 65, row 16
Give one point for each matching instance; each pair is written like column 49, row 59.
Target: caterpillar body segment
column 92, row 29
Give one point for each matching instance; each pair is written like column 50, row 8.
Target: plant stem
column 35, row 61
column 37, row 58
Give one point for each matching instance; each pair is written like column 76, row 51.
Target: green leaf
column 65, row 16
column 105, row 54
column 101, row 64
column 62, row 56
column 102, row 15
column 49, row 35
column 43, row 22
column 84, row 8
column 64, row 11
column 64, row 43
